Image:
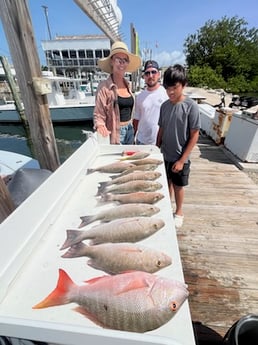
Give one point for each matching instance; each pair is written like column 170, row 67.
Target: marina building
column 76, row 56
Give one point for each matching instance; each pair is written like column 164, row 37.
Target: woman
column 114, row 99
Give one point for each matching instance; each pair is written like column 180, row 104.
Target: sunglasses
column 121, row 60
column 147, row 73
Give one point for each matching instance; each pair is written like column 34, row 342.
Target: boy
column 179, row 125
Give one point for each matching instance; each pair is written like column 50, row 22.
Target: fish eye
column 158, row 263
column 173, row 306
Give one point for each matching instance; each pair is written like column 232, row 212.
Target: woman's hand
column 103, row 130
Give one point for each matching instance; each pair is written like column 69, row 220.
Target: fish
column 130, row 187
column 121, row 211
column 143, row 167
column 133, row 301
column 148, row 161
column 135, row 175
column 137, row 197
column 117, row 167
column 114, row 258
column 132, row 229
column 134, row 156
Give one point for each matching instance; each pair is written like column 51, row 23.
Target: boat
column 70, row 101
column 21, row 174
column 41, row 221
column 10, row 162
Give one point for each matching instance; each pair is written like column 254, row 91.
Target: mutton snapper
column 148, row 161
column 134, row 155
column 121, row 211
column 135, row 175
column 117, row 167
column 133, row 301
column 120, row 230
column 143, row 167
column 141, row 197
column 130, row 187
column 114, row 258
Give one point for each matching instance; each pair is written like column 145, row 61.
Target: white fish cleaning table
column 30, row 256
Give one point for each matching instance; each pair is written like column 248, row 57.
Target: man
column 147, row 105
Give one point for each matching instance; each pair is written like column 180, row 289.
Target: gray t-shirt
column 176, row 121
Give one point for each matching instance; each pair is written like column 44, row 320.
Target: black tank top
column 125, row 108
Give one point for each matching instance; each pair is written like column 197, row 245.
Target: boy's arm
column 159, row 137
column 194, row 136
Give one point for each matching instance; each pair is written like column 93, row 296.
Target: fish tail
column 102, row 186
column 59, row 295
column 85, row 220
column 114, row 176
column 75, row 251
column 90, row 171
column 106, row 197
column 72, row 237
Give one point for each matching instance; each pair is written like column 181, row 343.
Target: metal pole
column 46, row 15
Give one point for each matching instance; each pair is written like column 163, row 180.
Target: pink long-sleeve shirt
column 106, row 111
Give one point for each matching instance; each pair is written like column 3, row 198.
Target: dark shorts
column 180, row 178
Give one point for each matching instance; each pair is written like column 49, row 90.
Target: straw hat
column 120, row 47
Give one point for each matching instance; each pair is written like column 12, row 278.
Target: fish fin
column 90, row 171
column 102, row 185
column 133, row 285
column 72, row 237
column 95, row 279
column 59, row 295
column 85, row 220
column 100, row 201
column 75, row 251
column 106, row 197
column 114, row 176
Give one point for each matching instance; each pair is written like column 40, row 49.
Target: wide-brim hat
column 120, row 47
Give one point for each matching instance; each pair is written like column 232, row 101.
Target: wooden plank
column 18, row 28
column 219, row 239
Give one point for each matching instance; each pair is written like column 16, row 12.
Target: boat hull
column 59, row 115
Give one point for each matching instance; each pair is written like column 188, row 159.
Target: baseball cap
column 151, row 64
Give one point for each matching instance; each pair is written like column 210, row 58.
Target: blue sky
column 162, row 25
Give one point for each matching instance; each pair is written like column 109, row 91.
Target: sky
column 162, row 26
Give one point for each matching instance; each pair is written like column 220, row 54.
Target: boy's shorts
column 180, row 178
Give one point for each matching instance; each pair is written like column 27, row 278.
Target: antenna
column 45, row 8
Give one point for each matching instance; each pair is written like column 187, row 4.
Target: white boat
column 34, row 251
column 10, row 162
column 69, row 102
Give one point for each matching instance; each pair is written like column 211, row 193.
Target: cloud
column 166, row 59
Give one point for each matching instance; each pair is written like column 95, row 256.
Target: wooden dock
column 219, row 239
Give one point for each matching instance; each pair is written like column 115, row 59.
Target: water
column 68, row 138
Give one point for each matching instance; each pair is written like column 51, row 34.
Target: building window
column 81, row 54
column 98, row 54
column 89, row 54
column 65, row 54
column 49, row 54
column 56, row 54
column 106, row 52
column 73, row 54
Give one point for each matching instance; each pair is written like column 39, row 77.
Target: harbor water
column 68, row 138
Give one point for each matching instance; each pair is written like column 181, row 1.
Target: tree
column 229, row 49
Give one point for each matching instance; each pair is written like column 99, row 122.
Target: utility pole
column 45, row 8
